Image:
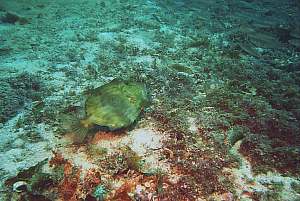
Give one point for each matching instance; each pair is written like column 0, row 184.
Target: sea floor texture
column 223, row 118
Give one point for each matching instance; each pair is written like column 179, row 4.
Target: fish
column 112, row 106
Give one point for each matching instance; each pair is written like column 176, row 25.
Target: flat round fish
column 116, row 104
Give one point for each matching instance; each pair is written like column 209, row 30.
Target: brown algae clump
column 113, row 106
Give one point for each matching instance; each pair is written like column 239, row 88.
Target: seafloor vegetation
column 223, row 117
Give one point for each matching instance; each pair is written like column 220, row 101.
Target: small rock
column 12, row 18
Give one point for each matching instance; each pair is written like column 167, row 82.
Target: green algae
column 41, row 181
column 95, row 151
column 133, row 160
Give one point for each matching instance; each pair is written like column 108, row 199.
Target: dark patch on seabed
column 223, row 117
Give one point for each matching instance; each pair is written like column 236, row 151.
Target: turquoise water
column 223, row 82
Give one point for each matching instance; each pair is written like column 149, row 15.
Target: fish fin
column 80, row 132
column 72, row 124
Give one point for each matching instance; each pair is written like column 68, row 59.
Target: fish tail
column 73, row 124
column 80, row 132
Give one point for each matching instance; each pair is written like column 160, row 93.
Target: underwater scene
column 149, row 100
